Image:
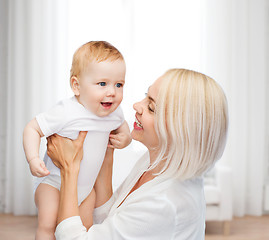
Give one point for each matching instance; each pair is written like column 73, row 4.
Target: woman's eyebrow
column 149, row 97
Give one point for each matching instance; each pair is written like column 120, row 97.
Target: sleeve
column 52, row 121
column 71, row 228
column 148, row 219
column 121, row 115
column 118, row 114
column 101, row 213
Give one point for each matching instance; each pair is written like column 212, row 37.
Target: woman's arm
column 103, row 183
column 67, row 154
column 119, row 138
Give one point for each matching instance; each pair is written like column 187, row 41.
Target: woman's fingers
column 64, row 151
column 49, row 144
column 54, row 145
column 81, row 136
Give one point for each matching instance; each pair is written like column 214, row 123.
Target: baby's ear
column 74, row 82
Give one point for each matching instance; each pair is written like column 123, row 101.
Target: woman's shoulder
column 187, row 198
column 188, row 187
column 185, row 192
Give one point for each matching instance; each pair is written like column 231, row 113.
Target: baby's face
column 101, row 87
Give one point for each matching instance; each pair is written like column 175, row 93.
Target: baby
column 97, row 79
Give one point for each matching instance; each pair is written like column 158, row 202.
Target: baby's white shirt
column 67, row 118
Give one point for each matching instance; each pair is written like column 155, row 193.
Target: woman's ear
column 74, row 82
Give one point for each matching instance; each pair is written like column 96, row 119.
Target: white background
column 225, row 39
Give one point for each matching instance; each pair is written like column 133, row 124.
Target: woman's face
column 144, row 130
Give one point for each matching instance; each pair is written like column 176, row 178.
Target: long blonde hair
column 191, row 123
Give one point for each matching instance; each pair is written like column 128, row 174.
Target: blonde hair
column 94, row 51
column 191, row 123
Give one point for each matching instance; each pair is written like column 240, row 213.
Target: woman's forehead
column 153, row 89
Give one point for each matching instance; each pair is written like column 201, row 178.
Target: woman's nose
column 138, row 107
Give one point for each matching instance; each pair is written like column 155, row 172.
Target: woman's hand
column 65, row 153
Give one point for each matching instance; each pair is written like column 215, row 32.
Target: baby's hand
column 38, row 168
column 119, row 140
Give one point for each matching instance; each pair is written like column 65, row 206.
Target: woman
column 183, row 123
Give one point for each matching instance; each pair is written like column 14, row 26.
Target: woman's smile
column 137, row 125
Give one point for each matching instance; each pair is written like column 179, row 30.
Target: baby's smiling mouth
column 106, row 104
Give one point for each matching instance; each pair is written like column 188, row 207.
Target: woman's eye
column 102, row 84
column 150, row 109
column 118, row 85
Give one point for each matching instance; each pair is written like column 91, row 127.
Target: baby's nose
column 111, row 91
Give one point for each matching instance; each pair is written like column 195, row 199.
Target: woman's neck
column 153, row 154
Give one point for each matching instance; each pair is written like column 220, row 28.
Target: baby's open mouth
column 106, row 104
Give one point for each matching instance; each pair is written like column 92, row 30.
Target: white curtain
column 3, row 96
column 36, row 60
column 225, row 39
column 235, row 45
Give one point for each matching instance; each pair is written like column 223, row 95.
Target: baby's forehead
column 105, row 70
column 108, row 62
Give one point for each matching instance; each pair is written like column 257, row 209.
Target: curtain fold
column 235, row 47
column 36, row 56
column 3, row 96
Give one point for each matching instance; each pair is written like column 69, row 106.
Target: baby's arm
column 31, row 141
column 121, row 137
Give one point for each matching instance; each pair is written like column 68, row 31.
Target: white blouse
column 162, row 208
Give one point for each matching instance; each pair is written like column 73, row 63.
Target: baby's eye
column 118, row 85
column 102, row 84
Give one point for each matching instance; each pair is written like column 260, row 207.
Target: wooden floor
column 15, row 228
column 247, row 228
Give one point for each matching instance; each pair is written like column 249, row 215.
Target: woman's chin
column 134, row 135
